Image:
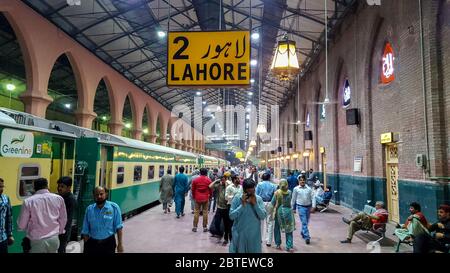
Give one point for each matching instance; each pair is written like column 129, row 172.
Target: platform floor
column 155, row 232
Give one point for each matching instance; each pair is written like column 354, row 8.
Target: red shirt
column 200, row 189
column 382, row 215
column 422, row 219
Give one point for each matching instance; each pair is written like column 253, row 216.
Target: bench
column 377, row 229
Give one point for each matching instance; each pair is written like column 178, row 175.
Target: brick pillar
column 84, row 119
column 172, row 143
column 152, row 138
column 116, row 128
column 36, row 103
column 137, row 134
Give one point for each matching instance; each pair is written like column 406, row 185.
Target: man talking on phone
column 247, row 211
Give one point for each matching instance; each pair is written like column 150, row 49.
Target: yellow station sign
column 239, row 155
column 208, row 58
column 387, row 138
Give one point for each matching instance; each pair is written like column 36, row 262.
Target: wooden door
column 392, row 182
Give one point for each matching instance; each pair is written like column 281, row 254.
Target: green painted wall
column 355, row 191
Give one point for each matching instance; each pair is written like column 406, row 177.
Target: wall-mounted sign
column 208, row 58
column 346, row 94
column 308, row 122
column 357, row 164
column 323, row 113
column 387, row 65
column 17, row 143
column 387, row 137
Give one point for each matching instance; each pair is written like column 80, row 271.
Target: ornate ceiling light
column 285, row 62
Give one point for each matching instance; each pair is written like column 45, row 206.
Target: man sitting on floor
column 365, row 221
column 439, row 237
column 415, row 224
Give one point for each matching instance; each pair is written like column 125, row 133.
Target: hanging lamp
column 285, row 62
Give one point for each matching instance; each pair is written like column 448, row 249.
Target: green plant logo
column 20, row 139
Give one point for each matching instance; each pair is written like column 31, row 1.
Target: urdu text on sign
column 208, row 58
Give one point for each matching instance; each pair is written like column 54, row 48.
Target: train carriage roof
column 150, row 146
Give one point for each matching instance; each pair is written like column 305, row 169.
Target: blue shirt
column 5, row 218
column 266, row 190
column 292, row 182
column 181, row 183
column 102, row 223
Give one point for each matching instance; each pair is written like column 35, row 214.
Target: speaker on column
column 272, row 152
column 352, row 116
column 290, row 145
column 308, row 135
column 280, row 149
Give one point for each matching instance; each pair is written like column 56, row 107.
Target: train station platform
column 152, row 231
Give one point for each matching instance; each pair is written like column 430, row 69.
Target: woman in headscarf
column 283, row 215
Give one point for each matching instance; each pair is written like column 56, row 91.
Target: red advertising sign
column 387, row 65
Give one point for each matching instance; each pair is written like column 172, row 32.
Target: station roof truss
column 123, row 33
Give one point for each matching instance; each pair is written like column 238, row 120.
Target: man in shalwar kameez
column 247, row 211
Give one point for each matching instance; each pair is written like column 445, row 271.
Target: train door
column 391, row 151
column 61, row 161
column 105, row 168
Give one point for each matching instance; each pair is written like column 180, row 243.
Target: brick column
column 152, row 138
column 36, row 103
column 137, row 134
column 85, row 119
column 116, row 128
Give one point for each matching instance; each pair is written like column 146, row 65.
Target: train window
column 28, row 174
column 137, row 176
column 190, row 168
column 120, row 174
column 161, row 171
column 176, row 169
column 169, row 168
column 151, row 172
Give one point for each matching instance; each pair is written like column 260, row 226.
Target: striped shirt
column 5, row 218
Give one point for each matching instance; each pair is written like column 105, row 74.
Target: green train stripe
column 136, row 196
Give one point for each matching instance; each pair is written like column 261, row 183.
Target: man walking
column 6, row 237
column 101, row 221
column 166, row 190
column 265, row 190
column 201, row 193
column 303, row 199
column 43, row 217
column 181, row 187
column 220, row 186
column 64, row 189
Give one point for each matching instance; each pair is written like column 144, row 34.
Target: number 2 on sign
column 177, row 55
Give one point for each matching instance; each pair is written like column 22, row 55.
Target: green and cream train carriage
column 32, row 147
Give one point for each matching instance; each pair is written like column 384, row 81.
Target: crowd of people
column 245, row 202
column 241, row 198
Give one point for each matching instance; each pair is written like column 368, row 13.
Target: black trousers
column 4, row 246
column 423, row 243
column 63, row 239
column 105, row 246
column 227, row 223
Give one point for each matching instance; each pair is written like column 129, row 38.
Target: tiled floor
column 155, row 232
